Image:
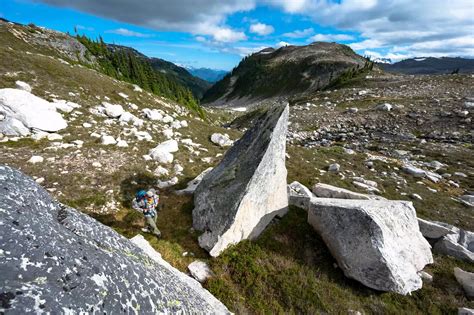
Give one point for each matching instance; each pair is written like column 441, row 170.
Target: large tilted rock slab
column 329, row 191
column 239, row 197
column 57, row 260
column 23, row 111
column 376, row 242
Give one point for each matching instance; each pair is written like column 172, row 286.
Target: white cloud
column 227, row 35
column 300, row 33
column 396, row 23
column 331, row 38
column 204, row 17
column 261, row 29
column 85, row 28
column 282, row 44
column 126, row 32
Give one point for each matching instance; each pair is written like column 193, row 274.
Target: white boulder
column 328, row 191
column 36, row 159
column 31, row 111
column 466, row 280
column 221, row 140
column 376, row 242
column 199, row 270
column 299, row 195
column 23, row 86
column 152, row 114
column 163, row 152
column 113, row 111
column 108, row 140
column 386, row 107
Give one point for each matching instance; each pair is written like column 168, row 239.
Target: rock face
column 239, row 197
column 24, row 111
column 55, row 259
column 299, row 195
column 328, row 191
column 376, row 242
column 466, row 280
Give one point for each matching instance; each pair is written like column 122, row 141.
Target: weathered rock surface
column 239, row 197
column 192, row 185
column 433, row 230
column 163, row 152
column 221, row 140
column 376, row 242
column 24, row 111
column 466, row 280
column 459, row 244
column 55, row 259
column 200, row 270
column 328, row 191
column 299, row 195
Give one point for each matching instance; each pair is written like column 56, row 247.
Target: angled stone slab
column 240, row 196
column 376, row 242
column 56, row 260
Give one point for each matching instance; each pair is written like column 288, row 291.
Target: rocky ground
column 417, row 147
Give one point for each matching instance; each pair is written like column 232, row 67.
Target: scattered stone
column 163, row 152
column 386, row 107
column 96, row 164
column 416, row 196
column 122, row 143
column 23, row 86
column 239, row 197
column 113, row 111
column 459, row 244
column 200, row 271
column 375, row 242
column 36, row 159
column 87, row 125
column 39, row 180
column 466, row 280
column 426, row 277
column 221, row 140
column 334, row 167
column 23, row 111
column 433, row 230
column 327, row 191
column 168, row 183
column 65, row 106
column 72, row 252
column 353, row 110
column 152, row 114
column 299, row 195
column 465, row 311
column 161, row 171
column 108, row 140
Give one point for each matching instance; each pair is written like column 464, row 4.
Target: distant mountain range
column 210, row 75
column 285, row 72
column 430, row 65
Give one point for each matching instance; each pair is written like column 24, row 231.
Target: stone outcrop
column 22, row 112
column 466, row 280
column 459, row 244
column 56, row 260
column 328, row 191
column 376, row 242
column 240, row 196
column 299, row 195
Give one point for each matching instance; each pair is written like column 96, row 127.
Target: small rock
column 386, row 107
column 334, row 167
column 36, row 159
column 23, row 86
column 426, row 277
column 221, row 140
column 108, row 140
column 416, row 196
column 200, row 271
column 466, row 280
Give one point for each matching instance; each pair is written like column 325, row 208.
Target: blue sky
column 218, row 33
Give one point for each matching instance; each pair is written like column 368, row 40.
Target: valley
column 411, row 135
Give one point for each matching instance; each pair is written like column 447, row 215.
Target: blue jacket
column 146, row 205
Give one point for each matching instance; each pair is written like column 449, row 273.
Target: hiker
column 146, row 202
